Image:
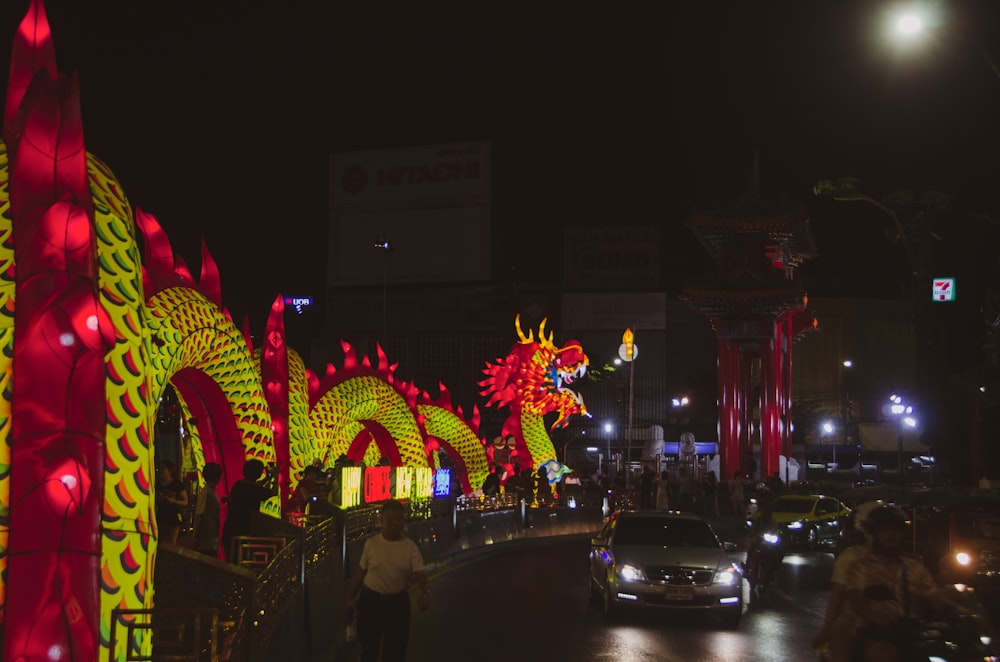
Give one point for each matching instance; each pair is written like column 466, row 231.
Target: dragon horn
column 531, row 334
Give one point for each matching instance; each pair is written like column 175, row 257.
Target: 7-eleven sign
column 943, row 289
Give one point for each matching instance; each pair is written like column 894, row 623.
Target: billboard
column 410, row 215
column 612, row 258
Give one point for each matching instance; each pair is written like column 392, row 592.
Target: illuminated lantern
column 66, row 487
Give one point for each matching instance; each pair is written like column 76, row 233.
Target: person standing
column 244, row 500
column 710, row 488
column 307, row 489
column 171, row 498
column 737, row 495
column 207, row 512
column 379, row 592
column 663, row 491
column 647, row 491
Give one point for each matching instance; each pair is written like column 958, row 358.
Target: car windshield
column 792, row 505
column 666, row 532
column 978, row 524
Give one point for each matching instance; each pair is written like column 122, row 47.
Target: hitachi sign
column 421, row 174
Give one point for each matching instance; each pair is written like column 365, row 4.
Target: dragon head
column 536, row 376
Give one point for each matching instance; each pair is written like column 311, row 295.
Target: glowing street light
column 910, row 27
column 908, row 24
column 828, row 429
column 903, row 414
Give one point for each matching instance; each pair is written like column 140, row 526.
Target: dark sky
column 218, row 117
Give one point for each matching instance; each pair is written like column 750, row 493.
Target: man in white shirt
column 379, row 588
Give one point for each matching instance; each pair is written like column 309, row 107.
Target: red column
column 745, row 408
column 729, row 448
column 770, row 406
column 787, row 390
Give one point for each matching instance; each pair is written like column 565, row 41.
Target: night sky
column 219, row 117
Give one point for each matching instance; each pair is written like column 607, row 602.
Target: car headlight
column 771, row 538
column 631, row 573
column 726, row 577
column 797, row 524
column 963, row 558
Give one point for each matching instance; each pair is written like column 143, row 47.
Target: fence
column 287, row 583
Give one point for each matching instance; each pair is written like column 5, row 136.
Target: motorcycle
column 764, row 557
column 960, row 635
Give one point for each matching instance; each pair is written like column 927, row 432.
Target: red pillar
column 746, row 408
column 770, row 405
column 786, row 409
column 729, row 447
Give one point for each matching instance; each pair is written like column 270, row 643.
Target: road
column 530, row 601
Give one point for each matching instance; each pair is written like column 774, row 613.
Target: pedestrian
column 647, row 491
column 207, row 512
column 709, row 486
column 663, row 491
column 543, row 490
column 491, row 486
column 379, row 588
column 685, row 490
column 171, row 499
column 737, row 495
column 244, row 500
column 307, row 489
column 528, row 485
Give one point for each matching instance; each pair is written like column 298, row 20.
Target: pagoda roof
column 751, row 214
column 727, row 302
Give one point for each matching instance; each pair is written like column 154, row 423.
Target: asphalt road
column 531, row 601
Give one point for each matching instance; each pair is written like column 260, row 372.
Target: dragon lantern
column 533, row 380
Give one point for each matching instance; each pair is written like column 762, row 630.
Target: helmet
column 887, row 516
column 861, row 513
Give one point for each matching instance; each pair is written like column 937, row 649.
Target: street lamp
column 628, row 351
column 608, row 431
column 911, row 26
column 827, row 429
column 383, row 244
column 903, row 414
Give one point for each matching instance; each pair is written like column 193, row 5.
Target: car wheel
column 730, row 617
column 608, row 602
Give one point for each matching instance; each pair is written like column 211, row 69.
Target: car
column 809, row 520
column 662, row 559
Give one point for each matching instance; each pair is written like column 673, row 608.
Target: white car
column 665, row 560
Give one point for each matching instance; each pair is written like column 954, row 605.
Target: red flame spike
column 158, row 265
column 247, row 338
column 31, row 52
column 210, row 281
column 365, row 362
column 182, row 271
column 350, row 359
column 330, row 370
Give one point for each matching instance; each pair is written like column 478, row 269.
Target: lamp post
column 608, row 431
column 827, row 429
column 383, row 244
column 903, row 414
column 910, row 26
column 628, row 351
column 848, row 409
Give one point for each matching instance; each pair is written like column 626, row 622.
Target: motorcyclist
column 764, row 554
column 887, row 589
column 839, row 622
